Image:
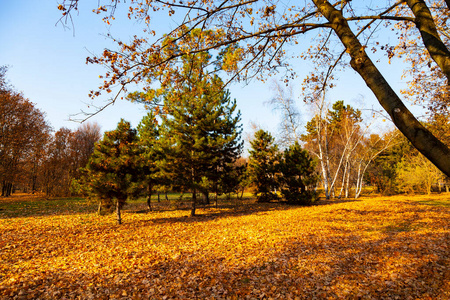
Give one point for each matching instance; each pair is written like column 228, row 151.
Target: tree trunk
column 417, row 134
column 8, row 189
column 119, row 217
column 149, row 198
column 347, row 184
column 33, row 184
column 167, row 198
column 205, row 199
column 323, row 167
column 430, row 36
column 215, row 198
column 321, row 154
column 149, row 202
column 34, row 178
column 343, row 180
column 194, row 202
column 159, row 198
column 359, row 180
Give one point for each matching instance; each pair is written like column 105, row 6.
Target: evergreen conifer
column 113, row 172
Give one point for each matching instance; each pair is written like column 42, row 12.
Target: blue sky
column 47, row 64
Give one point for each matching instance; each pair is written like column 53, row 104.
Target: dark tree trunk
column 430, row 36
column 194, row 202
column 205, row 198
column 149, row 201
column 118, row 215
column 7, row 189
column 149, row 198
column 33, row 184
column 215, row 199
column 159, row 199
column 167, row 198
column 422, row 139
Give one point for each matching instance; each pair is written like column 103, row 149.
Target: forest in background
column 195, row 146
column 186, row 62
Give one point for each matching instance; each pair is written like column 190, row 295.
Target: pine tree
column 298, row 176
column 113, row 172
column 200, row 132
column 151, row 155
column 201, row 137
column 263, row 166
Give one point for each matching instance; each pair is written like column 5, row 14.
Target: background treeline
column 351, row 155
column 191, row 142
column 350, row 151
column 402, row 169
column 33, row 159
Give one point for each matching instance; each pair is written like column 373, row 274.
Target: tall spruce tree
column 263, row 166
column 151, row 155
column 201, row 132
column 113, row 172
column 201, row 136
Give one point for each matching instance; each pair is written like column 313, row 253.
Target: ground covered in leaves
column 372, row 248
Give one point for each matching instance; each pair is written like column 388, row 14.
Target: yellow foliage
column 231, row 59
column 369, row 249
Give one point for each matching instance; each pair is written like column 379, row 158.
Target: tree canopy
column 253, row 37
column 23, row 133
column 200, row 130
column 113, row 172
column 263, row 166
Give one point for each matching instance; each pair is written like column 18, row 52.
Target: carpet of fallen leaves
column 372, row 248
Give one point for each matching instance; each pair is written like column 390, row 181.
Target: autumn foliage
column 373, row 248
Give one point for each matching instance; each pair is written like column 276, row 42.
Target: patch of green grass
column 43, row 207
column 401, row 227
column 436, row 202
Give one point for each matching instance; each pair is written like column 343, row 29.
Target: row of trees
column 337, row 137
column 349, row 154
column 65, row 153
column 34, row 159
column 255, row 37
column 31, row 157
column 258, row 39
column 191, row 142
column 402, row 169
column 291, row 172
column 23, row 133
column 343, row 146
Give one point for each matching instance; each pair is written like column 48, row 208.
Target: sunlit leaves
column 374, row 248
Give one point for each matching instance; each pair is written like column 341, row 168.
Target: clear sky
column 47, row 64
